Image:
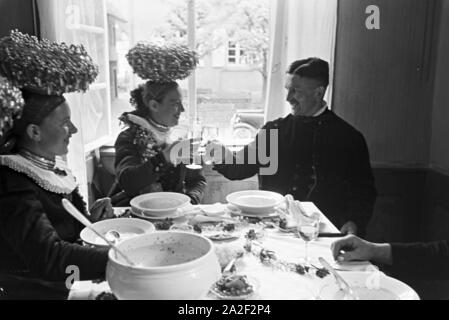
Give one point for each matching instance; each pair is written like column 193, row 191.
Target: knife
column 331, row 235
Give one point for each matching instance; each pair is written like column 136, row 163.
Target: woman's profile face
column 169, row 110
column 56, row 131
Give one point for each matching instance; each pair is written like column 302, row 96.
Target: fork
column 231, row 264
column 344, row 286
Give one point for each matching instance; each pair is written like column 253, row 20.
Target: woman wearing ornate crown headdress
column 38, row 238
column 143, row 161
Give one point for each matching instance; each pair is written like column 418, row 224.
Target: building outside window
column 232, row 40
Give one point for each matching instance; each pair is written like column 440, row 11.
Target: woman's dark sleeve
column 26, row 229
column 426, row 261
column 133, row 173
column 196, row 184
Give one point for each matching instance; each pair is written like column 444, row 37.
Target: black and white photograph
column 232, row 153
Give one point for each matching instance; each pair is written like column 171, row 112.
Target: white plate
column 159, row 204
column 259, row 216
column 222, row 236
column 388, row 288
column 256, row 202
column 125, row 226
column 178, row 214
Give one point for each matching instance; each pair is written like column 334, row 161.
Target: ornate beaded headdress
column 40, row 68
column 45, row 67
column 160, row 64
column 11, row 105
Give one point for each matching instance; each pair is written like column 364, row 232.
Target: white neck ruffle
column 46, row 179
column 160, row 137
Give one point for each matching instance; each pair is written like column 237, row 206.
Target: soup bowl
column 169, row 265
column 159, row 204
column 257, row 202
column 125, row 227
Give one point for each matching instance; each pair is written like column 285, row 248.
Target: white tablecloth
column 274, row 284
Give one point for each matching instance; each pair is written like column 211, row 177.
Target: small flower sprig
column 143, row 139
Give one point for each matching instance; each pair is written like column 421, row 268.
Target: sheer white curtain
column 301, row 29
column 82, row 22
column 275, row 101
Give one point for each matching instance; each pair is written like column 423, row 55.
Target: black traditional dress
column 141, row 167
column 39, row 244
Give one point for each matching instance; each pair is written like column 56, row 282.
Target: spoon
column 79, row 216
column 113, row 236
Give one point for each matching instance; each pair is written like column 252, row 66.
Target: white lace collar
column 46, row 179
column 161, row 137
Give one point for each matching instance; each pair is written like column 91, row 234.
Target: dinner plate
column 368, row 286
column 256, row 202
column 222, row 236
column 259, row 216
column 178, row 214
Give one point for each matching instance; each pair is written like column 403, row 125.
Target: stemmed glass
column 204, row 134
column 208, row 134
column 308, row 228
column 196, row 134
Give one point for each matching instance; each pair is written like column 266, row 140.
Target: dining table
column 281, row 278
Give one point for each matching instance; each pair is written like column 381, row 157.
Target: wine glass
column 195, row 133
column 308, row 228
column 208, row 134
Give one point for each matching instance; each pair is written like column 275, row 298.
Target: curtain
column 301, row 29
column 275, row 100
column 82, row 22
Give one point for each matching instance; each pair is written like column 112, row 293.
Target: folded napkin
column 87, row 290
column 297, row 212
column 189, row 209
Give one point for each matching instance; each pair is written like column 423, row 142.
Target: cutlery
column 113, row 236
column 82, row 219
column 344, row 286
column 231, row 264
column 331, row 235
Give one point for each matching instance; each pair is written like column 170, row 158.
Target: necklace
column 158, row 126
column 42, row 162
column 39, row 161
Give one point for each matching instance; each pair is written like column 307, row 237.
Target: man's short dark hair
column 313, row 68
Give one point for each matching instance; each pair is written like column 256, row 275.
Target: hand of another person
column 349, row 228
column 181, row 151
column 352, row 248
column 101, row 210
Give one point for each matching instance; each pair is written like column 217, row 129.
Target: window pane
column 140, row 20
column 232, row 42
column 238, row 88
column 95, row 117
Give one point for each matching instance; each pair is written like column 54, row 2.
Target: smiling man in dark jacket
column 321, row 158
